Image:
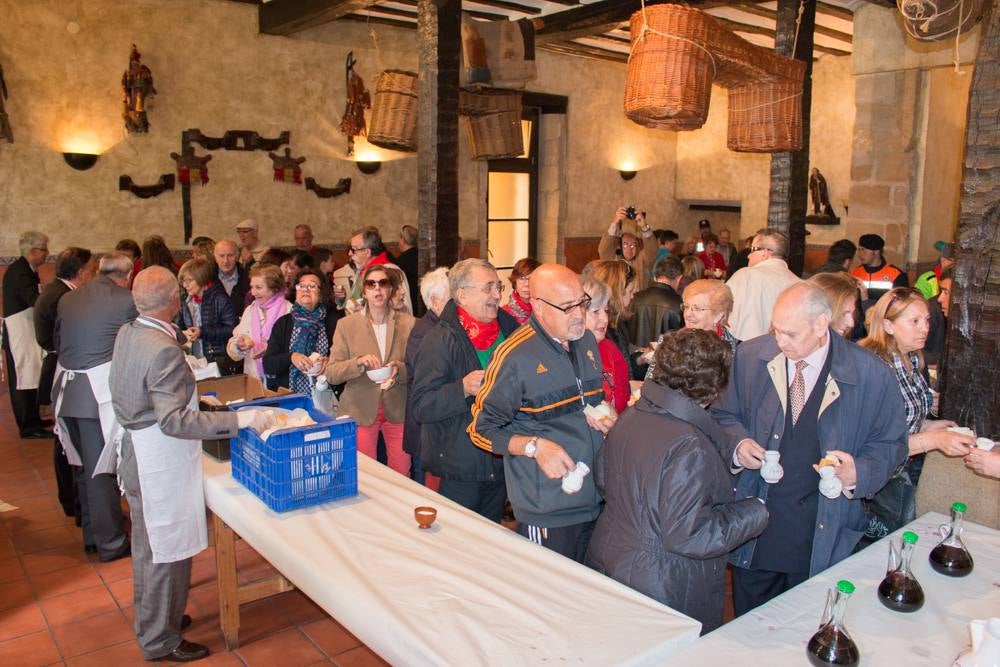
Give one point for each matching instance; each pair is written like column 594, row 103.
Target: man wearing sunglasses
column 530, row 411
column 365, row 247
column 757, row 286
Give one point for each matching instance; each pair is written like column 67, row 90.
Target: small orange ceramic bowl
column 425, row 516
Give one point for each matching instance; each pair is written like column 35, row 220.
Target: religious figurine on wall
column 190, row 167
column 822, row 209
column 286, row 167
column 137, row 93
column 358, row 99
column 5, row 130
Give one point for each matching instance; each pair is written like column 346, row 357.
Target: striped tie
column 798, row 391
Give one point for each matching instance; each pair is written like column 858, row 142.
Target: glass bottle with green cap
column 832, row 645
column 900, row 590
column 950, row 557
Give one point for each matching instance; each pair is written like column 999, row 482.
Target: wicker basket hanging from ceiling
column 765, row 117
column 394, row 111
column 493, row 123
column 670, row 70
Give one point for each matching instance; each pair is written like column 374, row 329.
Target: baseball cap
column 249, row 223
column 947, row 250
column 871, row 242
column 704, row 223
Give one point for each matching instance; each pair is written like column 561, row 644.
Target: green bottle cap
column 959, row 507
column 844, row 586
column 910, row 538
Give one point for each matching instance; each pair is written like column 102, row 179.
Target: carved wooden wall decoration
column 165, row 183
column 342, row 187
column 137, row 93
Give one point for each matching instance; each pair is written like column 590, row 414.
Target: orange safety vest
column 879, row 281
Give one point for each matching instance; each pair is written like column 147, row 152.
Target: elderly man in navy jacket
column 806, row 392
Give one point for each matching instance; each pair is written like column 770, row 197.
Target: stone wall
column 909, row 130
column 63, row 63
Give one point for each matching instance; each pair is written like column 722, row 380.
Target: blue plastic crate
column 298, row 467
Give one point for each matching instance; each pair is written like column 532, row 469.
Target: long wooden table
column 467, row 591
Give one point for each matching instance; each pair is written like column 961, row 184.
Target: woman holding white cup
column 250, row 336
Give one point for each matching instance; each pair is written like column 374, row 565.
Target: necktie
column 798, row 390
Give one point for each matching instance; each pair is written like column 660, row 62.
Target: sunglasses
column 381, row 282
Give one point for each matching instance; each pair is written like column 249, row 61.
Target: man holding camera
column 631, row 239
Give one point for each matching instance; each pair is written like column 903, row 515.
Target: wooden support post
column 439, row 30
column 225, row 564
column 786, row 209
column 971, row 379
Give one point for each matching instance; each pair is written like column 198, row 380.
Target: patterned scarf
column 522, row 305
column 481, row 334
column 308, row 336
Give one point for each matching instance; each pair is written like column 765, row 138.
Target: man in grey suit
column 86, row 325
column 155, row 399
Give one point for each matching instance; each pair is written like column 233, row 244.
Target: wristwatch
column 531, row 447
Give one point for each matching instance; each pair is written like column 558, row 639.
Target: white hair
column 116, row 264
column 461, row 272
column 811, row 299
column 434, row 284
column 31, row 240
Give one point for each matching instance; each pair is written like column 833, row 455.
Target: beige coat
column 355, row 337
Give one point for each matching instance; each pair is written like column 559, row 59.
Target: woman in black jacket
column 307, row 329
column 207, row 316
column 670, row 518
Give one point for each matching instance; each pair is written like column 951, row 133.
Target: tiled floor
column 61, row 606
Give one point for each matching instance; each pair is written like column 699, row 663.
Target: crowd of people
column 662, row 374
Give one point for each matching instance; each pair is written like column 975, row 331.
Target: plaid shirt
column 916, row 393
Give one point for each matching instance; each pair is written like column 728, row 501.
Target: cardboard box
column 228, row 389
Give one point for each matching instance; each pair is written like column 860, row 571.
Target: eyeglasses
column 756, row 248
column 523, row 276
column 381, row 282
column 629, row 245
column 488, row 288
column 583, row 304
column 697, row 309
column 353, row 250
column 307, row 287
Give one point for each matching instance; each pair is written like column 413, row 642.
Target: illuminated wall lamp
column 368, row 166
column 80, row 161
column 627, row 174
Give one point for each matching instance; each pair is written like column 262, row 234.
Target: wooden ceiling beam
column 285, row 17
column 509, row 6
column 585, row 51
column 834, row 11
column 395, row 23
column 583, row 21
column 736, row 26
column 763, row 12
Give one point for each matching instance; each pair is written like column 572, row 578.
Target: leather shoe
column 185, row 622
column 90, row 548
column 186, row 652
column 124, row 553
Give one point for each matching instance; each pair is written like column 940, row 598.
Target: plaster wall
column 215, row 72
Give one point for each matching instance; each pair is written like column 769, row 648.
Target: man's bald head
column 553, row 289
column 801, row 320
column 156, row 293
column 226, row 253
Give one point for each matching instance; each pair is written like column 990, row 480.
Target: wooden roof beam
column 285, row 17
column 763, row 12
column 736, row 26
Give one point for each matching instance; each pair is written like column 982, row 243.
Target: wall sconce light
column 368, row 166
column 80, row 161
column 627, row 174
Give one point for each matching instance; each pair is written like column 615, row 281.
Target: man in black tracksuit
column 530, row 410
column 448, row 371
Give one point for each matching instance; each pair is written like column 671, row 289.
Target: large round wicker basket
column 670, row 71
column 394, row 111
column 765, row 117
column 493, row 123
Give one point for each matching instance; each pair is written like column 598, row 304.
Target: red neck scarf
column 481, row 334
column 522, row 304
column 198, row 297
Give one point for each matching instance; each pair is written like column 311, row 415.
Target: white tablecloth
column 776, row 633
column 465, row 592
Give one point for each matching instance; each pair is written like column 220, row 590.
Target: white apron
column 100, row 384
column 26, row 351
column 173, row 494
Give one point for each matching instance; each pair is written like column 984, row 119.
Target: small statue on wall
column 287, row 169
column 5, row 130
column 358, row 99
column 823, row 213
column 190, row 167
column 137, row 93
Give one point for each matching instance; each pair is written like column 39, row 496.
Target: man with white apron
column 87, row 322
column 155, row 399
column 22, row 354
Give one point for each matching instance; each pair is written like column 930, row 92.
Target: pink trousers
column 393, row 434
